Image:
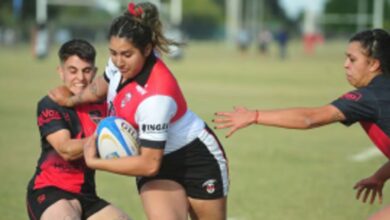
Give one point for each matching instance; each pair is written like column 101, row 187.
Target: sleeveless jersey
column 154, row 104
column 52, row 170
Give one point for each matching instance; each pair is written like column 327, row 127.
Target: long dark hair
column 141, row 26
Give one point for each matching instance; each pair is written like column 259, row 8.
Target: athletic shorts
column 39, row 200
column 200, row 167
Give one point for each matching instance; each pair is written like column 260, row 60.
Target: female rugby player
column 367, row 69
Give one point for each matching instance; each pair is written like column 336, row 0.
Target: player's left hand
column 90, row 152
column 369, row 187
column 241, row 117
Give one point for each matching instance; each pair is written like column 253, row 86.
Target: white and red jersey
column 154, row 104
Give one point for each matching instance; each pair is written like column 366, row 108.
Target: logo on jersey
column 126, row 99
column 41, row 198
column 47, row 115
column 154, row 128
column 353, row 96
column 140, row 90
column 209, row 185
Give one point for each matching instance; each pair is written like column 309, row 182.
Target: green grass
column 275, row 173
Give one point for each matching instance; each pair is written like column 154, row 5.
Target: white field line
column 366, row 155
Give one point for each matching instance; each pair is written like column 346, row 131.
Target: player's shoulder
column 359, row 95
column 111, row 70
column 47, row 103
column 160, row 66
column 161, row 75
column 379, row 86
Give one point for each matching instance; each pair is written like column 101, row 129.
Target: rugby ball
column 116, row 138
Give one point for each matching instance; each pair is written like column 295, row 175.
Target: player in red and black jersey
column 367, row 69
column 63, row 187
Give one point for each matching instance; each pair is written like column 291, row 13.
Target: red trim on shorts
column 30, row 212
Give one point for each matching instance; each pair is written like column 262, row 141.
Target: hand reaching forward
column 241, row 117
column 370, row 185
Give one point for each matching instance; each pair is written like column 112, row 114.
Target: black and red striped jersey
column 52, row 170
column 371, row 107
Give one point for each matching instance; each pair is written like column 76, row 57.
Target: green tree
column 202, row 18
column 350, row 7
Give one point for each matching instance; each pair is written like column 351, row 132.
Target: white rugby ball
column 116, row 138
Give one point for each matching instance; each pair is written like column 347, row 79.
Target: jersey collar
column 144, row 74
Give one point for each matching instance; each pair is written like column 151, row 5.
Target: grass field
column 276, row 174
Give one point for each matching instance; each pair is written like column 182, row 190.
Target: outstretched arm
column 294, row 118
column 96, row 91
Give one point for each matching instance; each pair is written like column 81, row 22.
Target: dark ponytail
column 141, row 25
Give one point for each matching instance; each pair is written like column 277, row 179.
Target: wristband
column 256, row 116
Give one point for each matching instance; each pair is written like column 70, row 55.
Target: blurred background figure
column 41, row 41
column 176, row 52
column 264, row 38
column 243, row 40
column 282, row 38
column 311, row 35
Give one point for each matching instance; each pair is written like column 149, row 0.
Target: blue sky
column 293, row 7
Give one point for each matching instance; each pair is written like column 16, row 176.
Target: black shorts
column 200, row 167
column 39, row 200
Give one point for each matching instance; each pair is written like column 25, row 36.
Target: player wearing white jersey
column 182, row 169
column 152, row 102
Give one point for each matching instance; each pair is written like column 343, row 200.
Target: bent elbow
column 69, row 155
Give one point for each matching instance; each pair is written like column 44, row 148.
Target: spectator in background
column 264, row 39
column 282, row 38
column 243, row 40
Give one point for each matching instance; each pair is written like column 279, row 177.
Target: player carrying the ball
column 63, row 187
column 182, row 169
